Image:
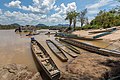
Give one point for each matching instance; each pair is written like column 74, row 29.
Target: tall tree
column 75, row 15
column 70, row 18
column 82, row 17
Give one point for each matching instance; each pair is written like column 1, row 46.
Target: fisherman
column 32, row 38
column 19, row 29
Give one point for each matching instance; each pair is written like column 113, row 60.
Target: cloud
column 22, row 18
column 59, row 16
column 38, row 6
column 14, row 4
column 94, row 8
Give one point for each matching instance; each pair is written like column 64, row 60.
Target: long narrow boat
column 65, row 49
column 72, row 48
column 56, row 50
column 69, row 46
column 105, row 30
column 73, row 36
column 91, row 48
column 44, row 62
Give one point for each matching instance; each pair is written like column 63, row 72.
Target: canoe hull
column 42, row 70
column 90, row 48
column 65, row 59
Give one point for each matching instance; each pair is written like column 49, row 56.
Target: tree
column 106, row 19
column 70, row 18
column 75, row 14
column 82, row 17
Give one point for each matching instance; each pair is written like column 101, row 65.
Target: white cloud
column 94, row 8
column 22, row 18
column 59, row 16
column 71, row 6
column 38, row 6
column 62, row 9
column 14, row 4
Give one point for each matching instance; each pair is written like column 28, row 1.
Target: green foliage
column 106, row 19
column 70, row 17
column 75, row 15
column 90, row 27
column 8, row 27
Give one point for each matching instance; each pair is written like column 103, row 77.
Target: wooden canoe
column 105, row 30
column 44, row 63
column 65, row 49
column 91, row 48
column 72, row 48
column 69, row 46
column 73, row 36
column 56, row 50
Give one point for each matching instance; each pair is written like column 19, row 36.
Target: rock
column 17, row 72
column 92, row 67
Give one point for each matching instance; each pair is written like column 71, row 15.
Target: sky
column 49, row 12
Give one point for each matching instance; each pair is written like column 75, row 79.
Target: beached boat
column 73, row 36
column 65, row 49
column 72, row 48
column 44, row 62
column 56, row 50
column 69, row 46
column 91, row 48
column 105, row 30
column 101, row 34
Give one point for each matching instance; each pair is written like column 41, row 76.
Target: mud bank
column 17, row 72
column 92, row 67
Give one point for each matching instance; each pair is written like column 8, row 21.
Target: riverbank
column 91, row 66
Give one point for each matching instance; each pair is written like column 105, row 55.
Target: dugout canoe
column 44, row 63
column 91, row 48
column 56, row 50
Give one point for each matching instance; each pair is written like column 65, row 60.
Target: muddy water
column 15, row 48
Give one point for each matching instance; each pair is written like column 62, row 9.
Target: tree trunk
column 74, row 23
column 82, row 22
column 70, row 23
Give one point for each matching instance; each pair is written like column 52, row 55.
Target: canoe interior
column 72, row 48
column 65, row 49
column 69, row 46
column 45, row 61
column 56, row 50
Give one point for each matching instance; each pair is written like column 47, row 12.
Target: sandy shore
column 91, row 66
column 115, row 36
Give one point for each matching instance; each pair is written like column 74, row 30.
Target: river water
column 15, row 48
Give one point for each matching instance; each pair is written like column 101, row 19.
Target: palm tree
column 75, row 14
column 70, row 18
column 82, row 16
